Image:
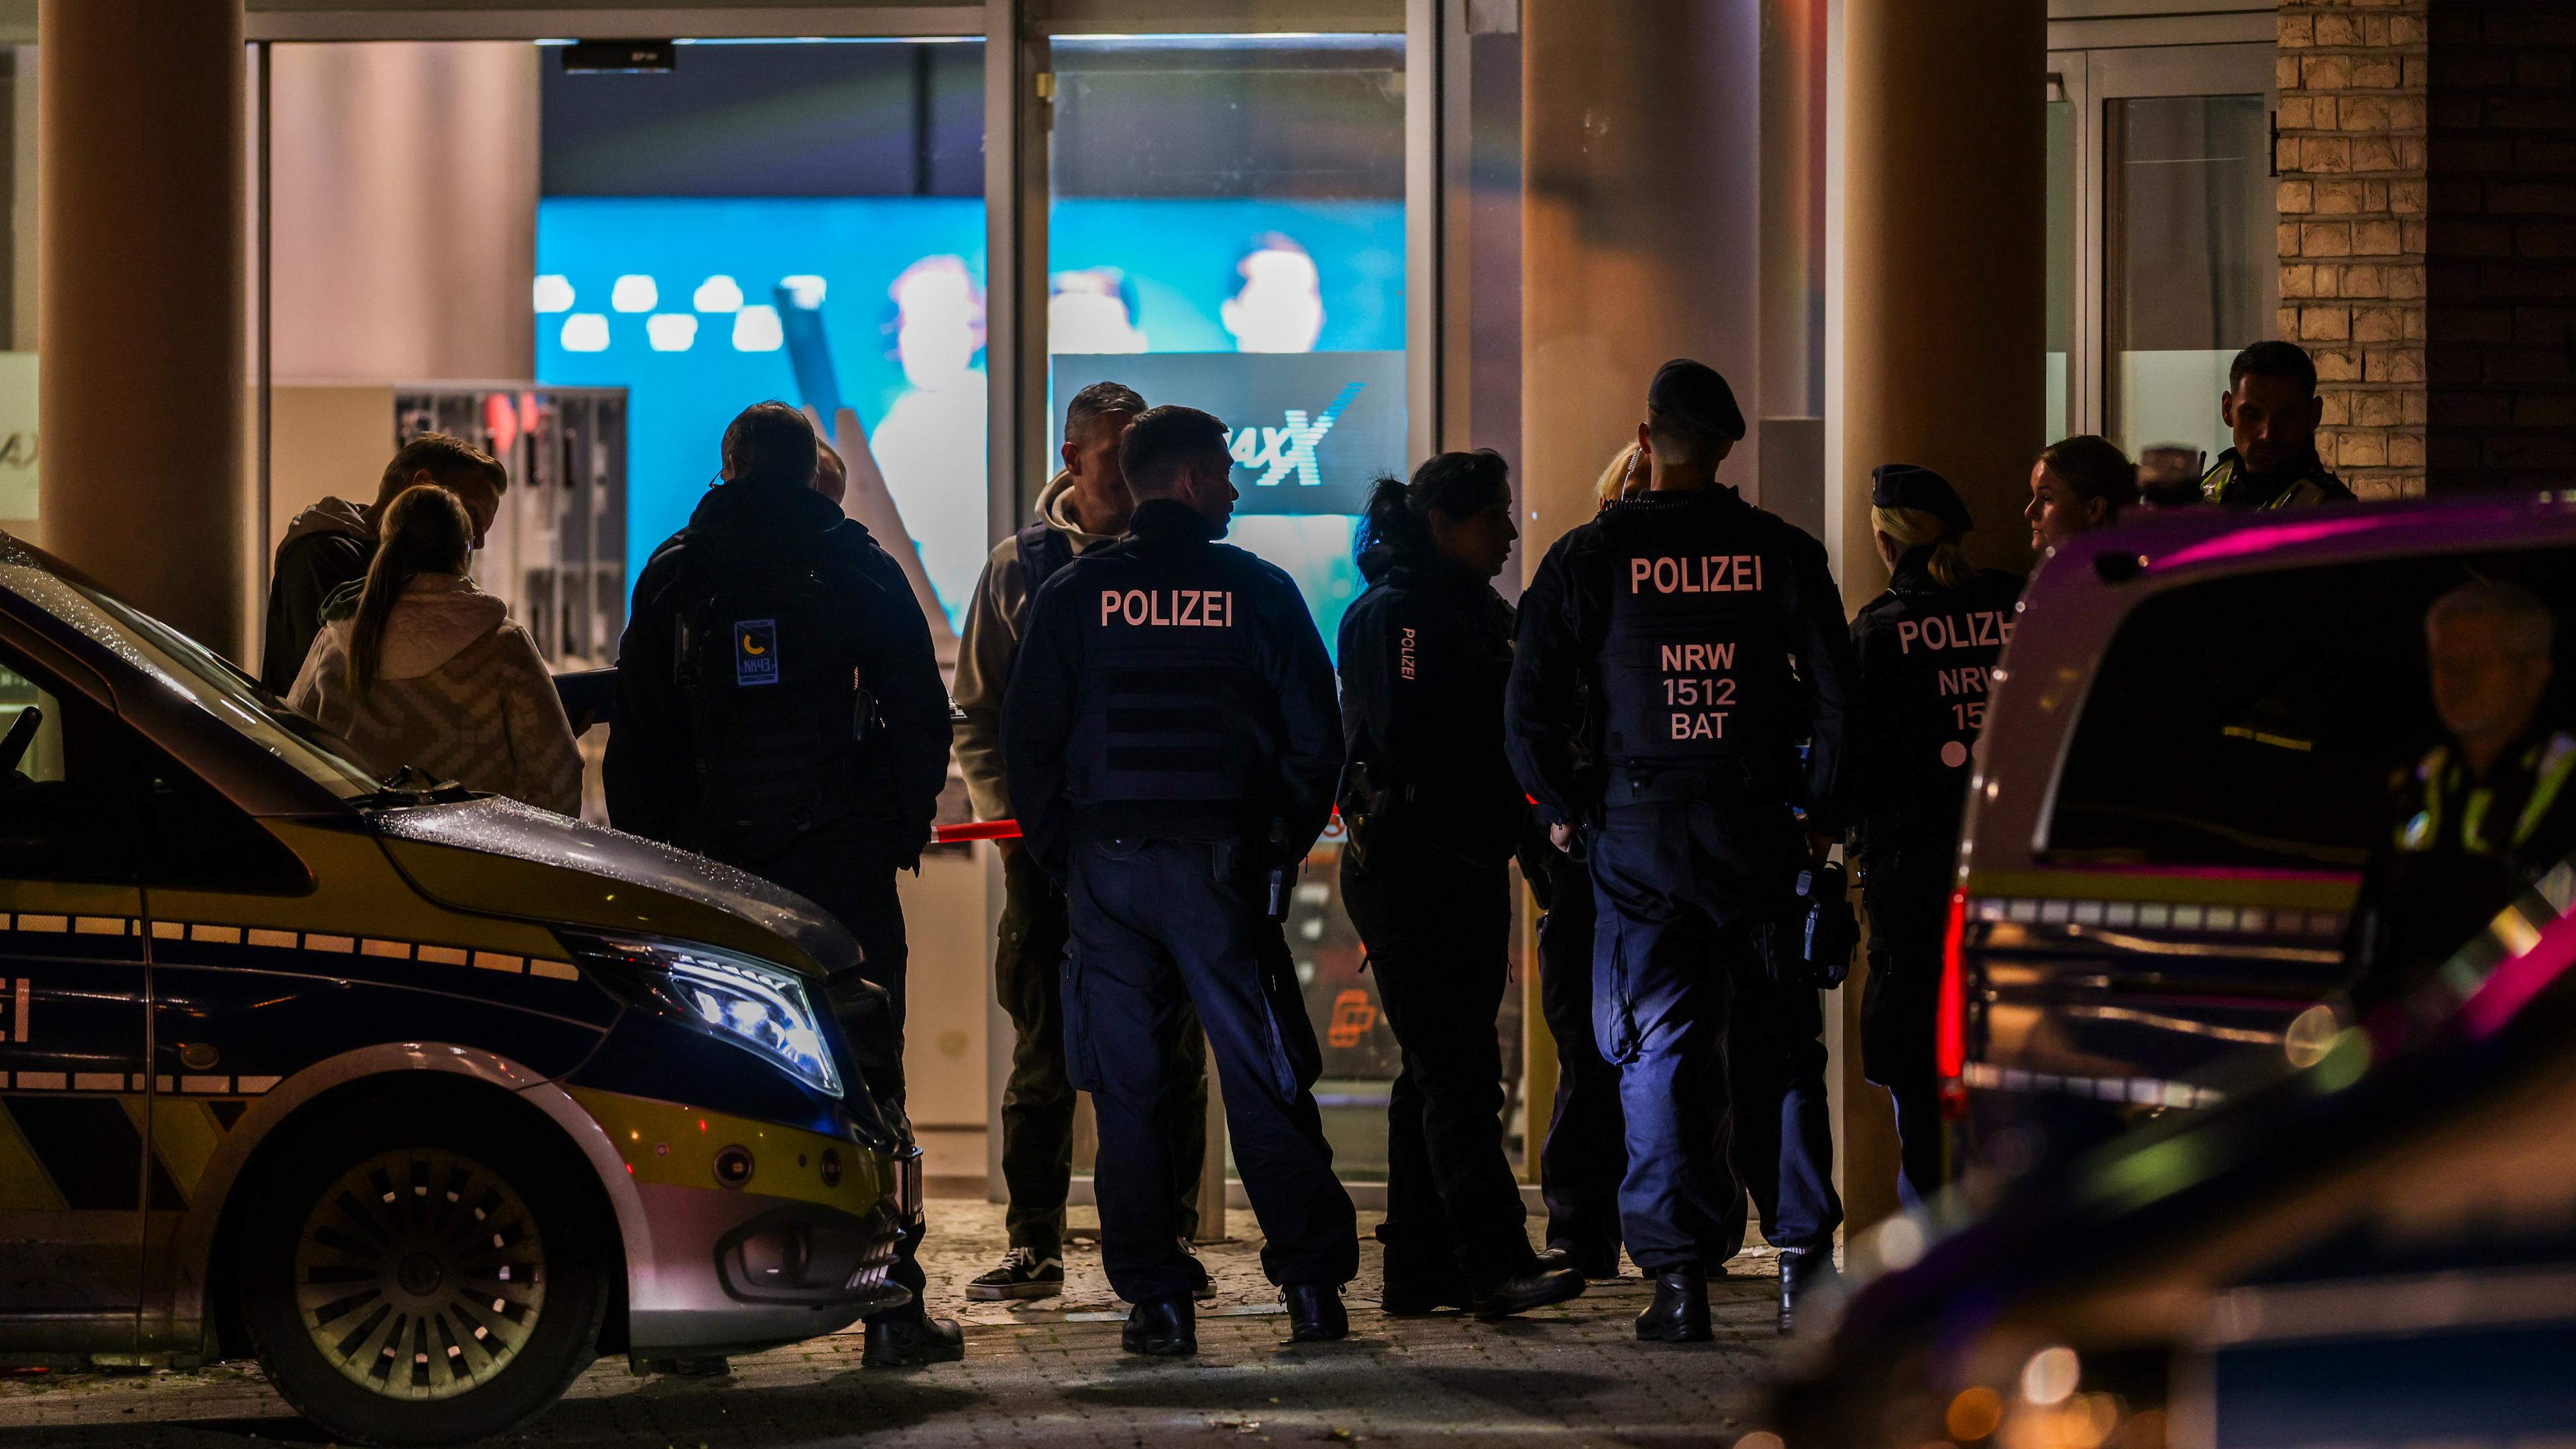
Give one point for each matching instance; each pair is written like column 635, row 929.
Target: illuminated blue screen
column 677, row 299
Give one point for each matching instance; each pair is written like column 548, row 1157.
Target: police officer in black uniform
column 779, row 709
column 1926, row 649
column 1433, row 813
column 1171, row 741
column 1713, row 642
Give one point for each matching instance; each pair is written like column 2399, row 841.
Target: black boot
column 912, row 1342
column 1680, row 1313
column 1165, row 1327
column 1802, row 1271
column 1418, row 1281
column 1596, row 1262
column 1536, row 1286
column 1315, row 1312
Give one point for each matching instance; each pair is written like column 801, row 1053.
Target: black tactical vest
column 1694, row 665
column 1942, row 645
column 1171, row 706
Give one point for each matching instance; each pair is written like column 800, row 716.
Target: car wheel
column 407, row 1282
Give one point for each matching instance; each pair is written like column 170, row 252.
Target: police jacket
column 1711, row 643
column 2229, row 483
column 1926, row 656
column 652, row 770
column 2455, row 852
column 1425, row 654
column 1169, row 686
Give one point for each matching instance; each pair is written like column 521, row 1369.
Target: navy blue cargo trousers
column 1154, row 923
column 1681, row 886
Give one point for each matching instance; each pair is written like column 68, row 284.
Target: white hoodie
column 460, row 694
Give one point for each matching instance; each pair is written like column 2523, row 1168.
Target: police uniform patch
column 755, row 652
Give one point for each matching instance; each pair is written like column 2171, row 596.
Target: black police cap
column 1692, row 392
column 1905, row 485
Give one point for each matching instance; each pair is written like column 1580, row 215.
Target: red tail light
column 1950, row 1040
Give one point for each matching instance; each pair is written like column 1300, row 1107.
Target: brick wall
column 2500, row 262
column 2427, row 194
column 2352, row 198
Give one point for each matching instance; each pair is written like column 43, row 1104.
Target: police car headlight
column 761, row 1008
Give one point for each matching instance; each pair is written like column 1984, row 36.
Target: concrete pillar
column 142, row 246
column 403, row 212
column 1944, row 177
column 1640, row 229
column 1942, row 346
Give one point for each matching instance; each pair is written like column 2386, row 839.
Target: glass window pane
column 18, row 288
column 1226, row 231
column 2190, row 272
column 2061, row 266
column 823, row 244
column 2279, row 751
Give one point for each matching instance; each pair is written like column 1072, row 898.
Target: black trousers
column 851, row 878
column 1157, row 923
column 1784, row 1134
column 1038, row 1101
column 1586, row 1152
column 1905, row 888
column 1438, row 933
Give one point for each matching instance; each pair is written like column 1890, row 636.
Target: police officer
column 1712, row 641
column 1080, row 509
column 2485, row 812
column 1433, row 812
column 1170, row 740
column 1926, row 650
column 2272, row 407
column 779, row 709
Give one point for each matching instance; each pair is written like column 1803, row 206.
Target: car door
column 2224, row 786
column 75, row 1165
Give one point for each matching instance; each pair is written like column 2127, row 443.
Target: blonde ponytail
column 1912, row 528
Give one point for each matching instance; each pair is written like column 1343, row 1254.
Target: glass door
column 2161, row 199
column 1226, row 229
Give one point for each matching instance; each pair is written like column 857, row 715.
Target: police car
column 2378, row 1250
column 2184, row 769
column 424, row 1099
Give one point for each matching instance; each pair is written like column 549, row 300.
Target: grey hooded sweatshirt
column 327, row 547
column 993, row 622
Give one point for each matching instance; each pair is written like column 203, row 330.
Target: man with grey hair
column 2481, row 814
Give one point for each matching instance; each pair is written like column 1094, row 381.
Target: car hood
column 604, row 880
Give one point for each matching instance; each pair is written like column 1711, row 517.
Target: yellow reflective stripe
column 2420, row 830
column 2473, row 822
column 2318, row 892
column 674, row 1145
column 185, row 1136
column 2555, row 766
column 25, row 1186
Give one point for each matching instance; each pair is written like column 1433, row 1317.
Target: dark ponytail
column 426, row 531
column 1398, row 518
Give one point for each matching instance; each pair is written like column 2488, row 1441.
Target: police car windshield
column 192, row 670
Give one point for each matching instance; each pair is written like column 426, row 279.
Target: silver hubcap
column 419, row 1274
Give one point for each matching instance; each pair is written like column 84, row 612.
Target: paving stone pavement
column 1051, row 1374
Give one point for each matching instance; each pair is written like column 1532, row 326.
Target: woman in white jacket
column 427, row 670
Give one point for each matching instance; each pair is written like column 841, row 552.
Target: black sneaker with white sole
column 1023, row 1274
